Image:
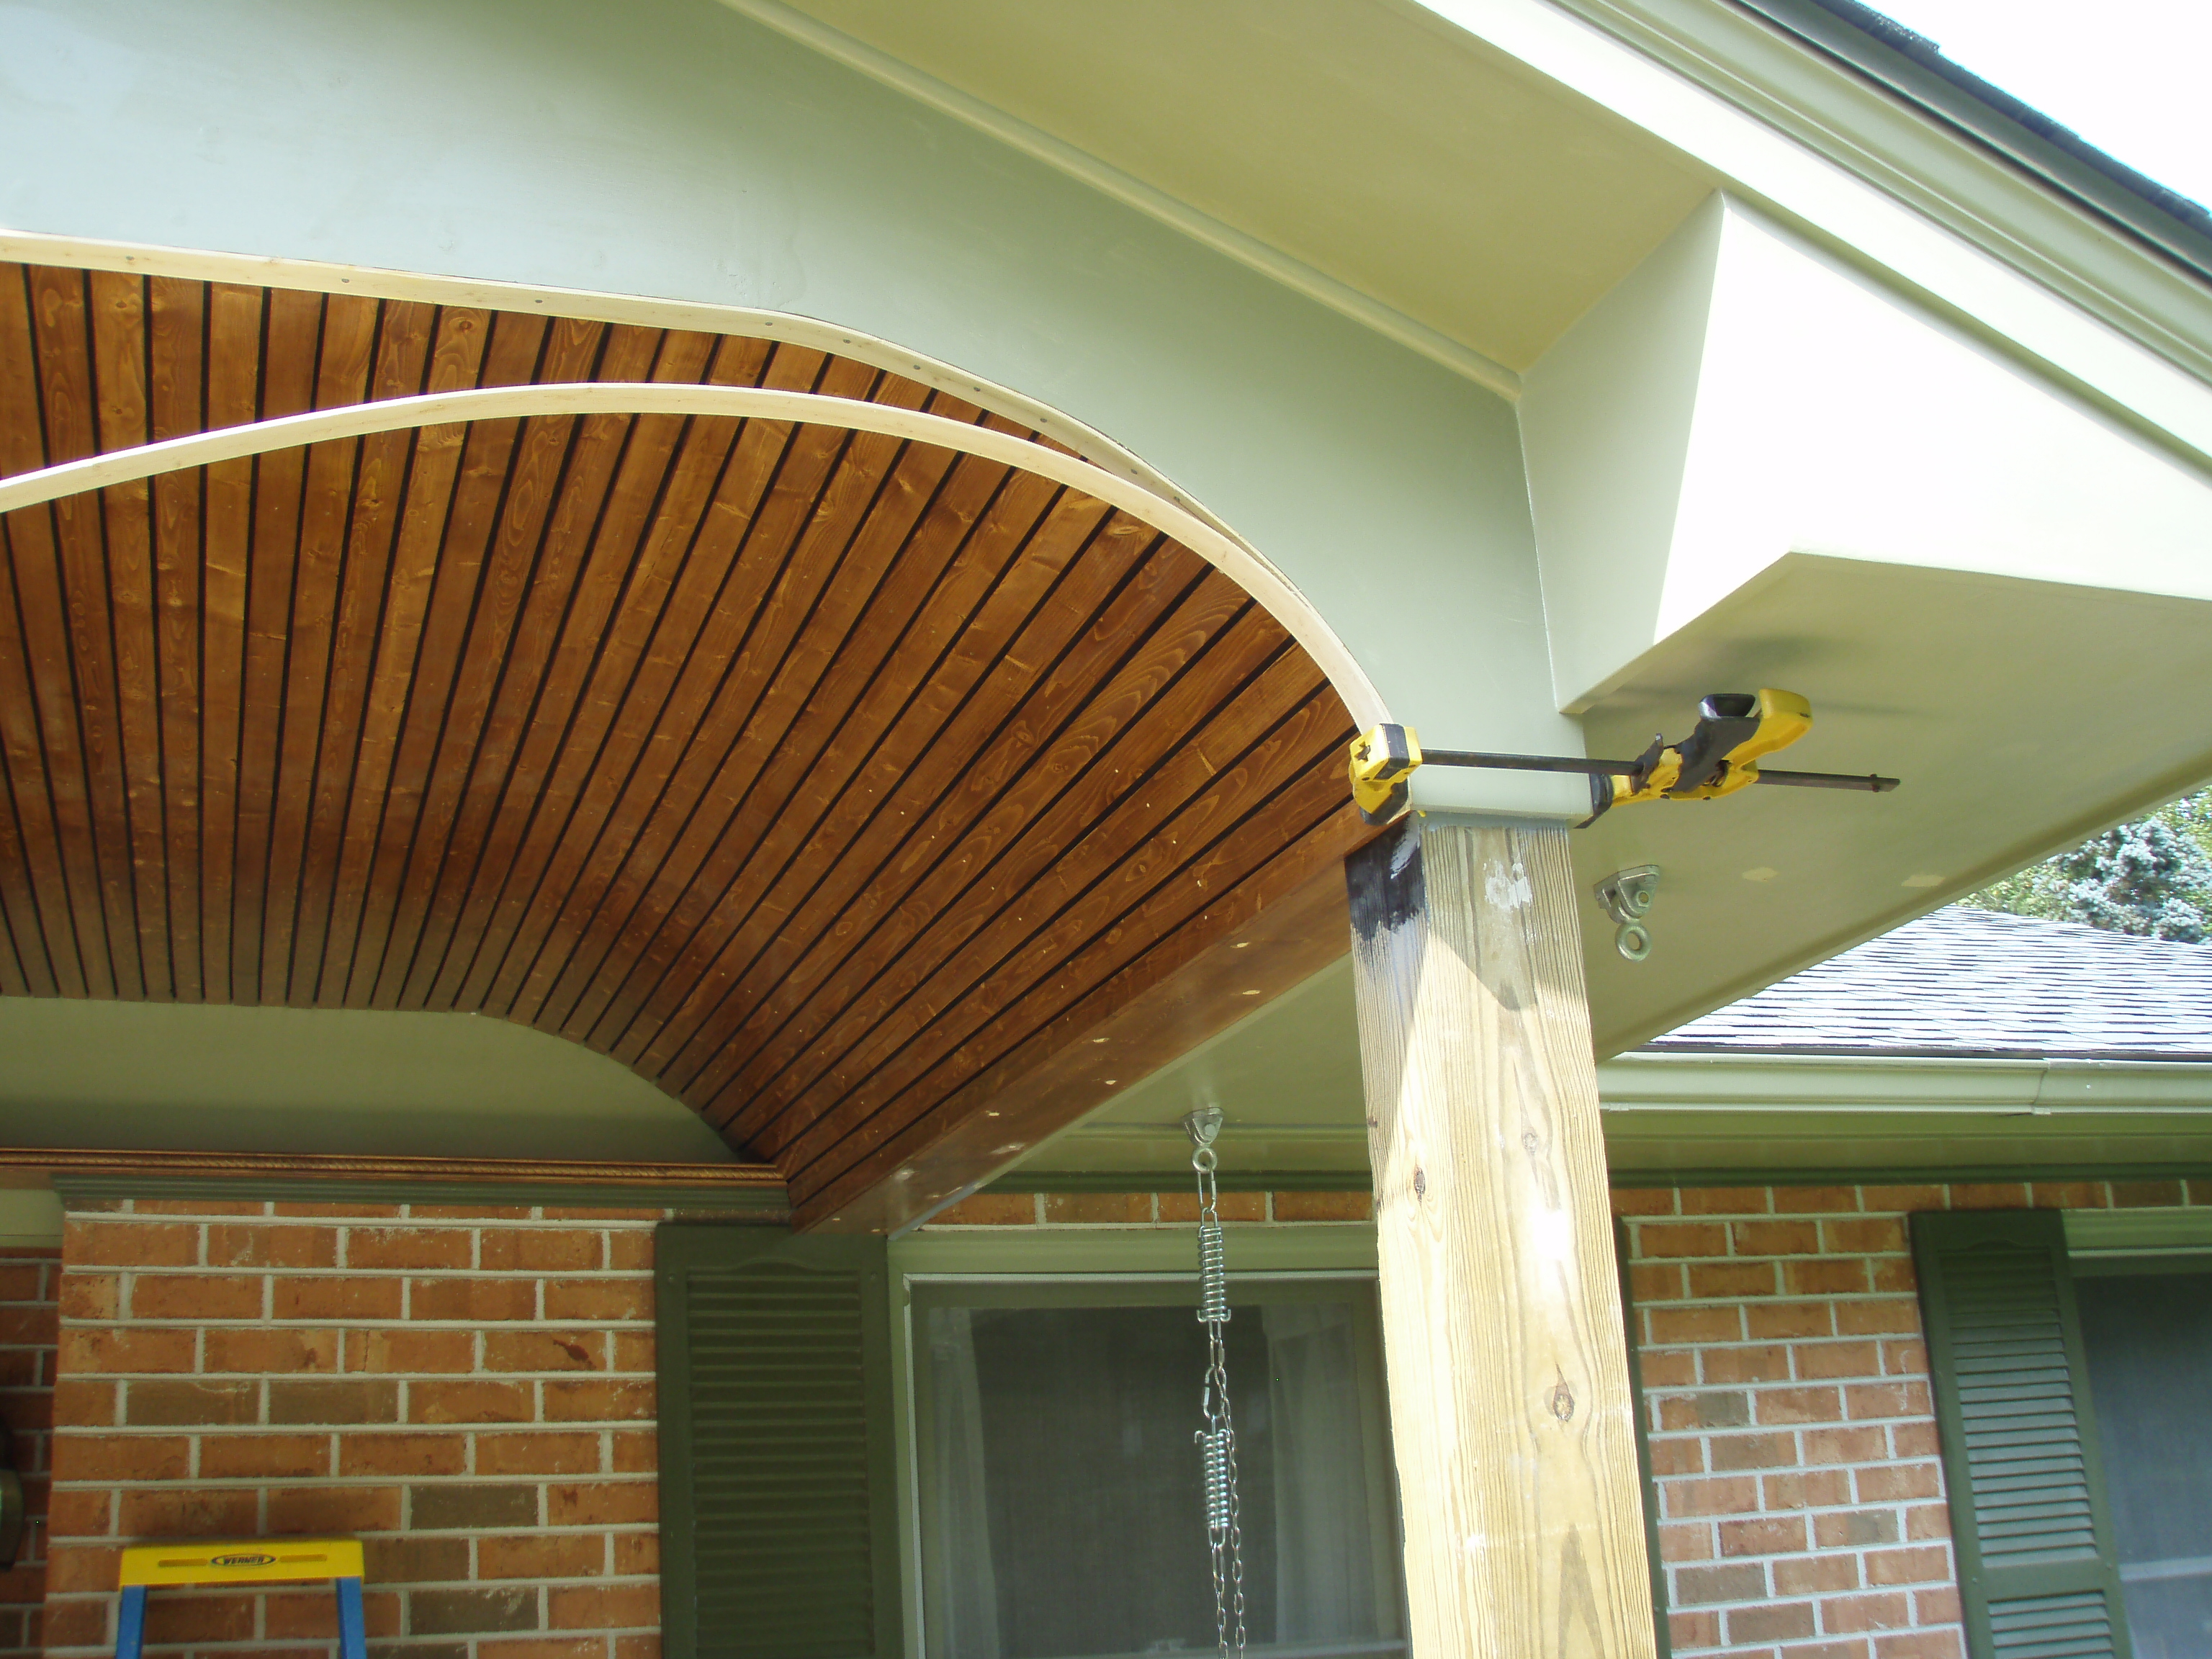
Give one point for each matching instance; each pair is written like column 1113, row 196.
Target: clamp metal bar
column 1599, row 769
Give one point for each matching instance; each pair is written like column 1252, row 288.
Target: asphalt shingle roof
column 1963, row 981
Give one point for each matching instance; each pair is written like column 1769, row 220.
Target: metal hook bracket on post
column 1626, row 895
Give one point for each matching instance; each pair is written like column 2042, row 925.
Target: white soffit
column 1388, row 151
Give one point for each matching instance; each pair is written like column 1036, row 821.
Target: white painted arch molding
column 1240, row 563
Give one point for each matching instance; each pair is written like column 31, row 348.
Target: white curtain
column 961, row 1602
column 1325, row 1542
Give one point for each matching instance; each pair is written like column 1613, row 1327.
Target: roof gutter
column 1913, row 68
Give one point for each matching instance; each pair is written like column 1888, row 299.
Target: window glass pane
column 1060, row 1487
column 2149, row 1341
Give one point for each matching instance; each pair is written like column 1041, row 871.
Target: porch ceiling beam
column 1247, row 568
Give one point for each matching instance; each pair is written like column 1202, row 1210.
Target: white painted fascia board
column 1844, row 208
column 1846, row 1084
column 1133, row 192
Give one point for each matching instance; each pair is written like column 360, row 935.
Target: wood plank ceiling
column 812, row 774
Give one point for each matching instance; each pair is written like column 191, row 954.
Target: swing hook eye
column 1205, row 1160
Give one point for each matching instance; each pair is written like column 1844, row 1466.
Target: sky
column 2128, row 76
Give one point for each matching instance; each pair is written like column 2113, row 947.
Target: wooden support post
column 1509, row 1401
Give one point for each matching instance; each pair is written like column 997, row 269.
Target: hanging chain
column 1217, row 1441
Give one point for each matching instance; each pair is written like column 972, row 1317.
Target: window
column 2148, row 1338
column 1058, row 1486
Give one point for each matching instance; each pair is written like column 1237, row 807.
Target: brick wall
column 470, row 1390
column 29, row 1279
column 1792, row 1436
column 1178, row 1209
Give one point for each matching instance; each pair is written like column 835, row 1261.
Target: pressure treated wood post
column 1501, row 1332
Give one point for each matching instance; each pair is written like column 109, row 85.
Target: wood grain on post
column 1509, row 1401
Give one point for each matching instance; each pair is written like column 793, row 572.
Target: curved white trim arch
column 1240, row 563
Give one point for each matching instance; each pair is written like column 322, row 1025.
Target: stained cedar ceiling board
column 813, row 774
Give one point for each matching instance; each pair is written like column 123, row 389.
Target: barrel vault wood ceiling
column 836, row 783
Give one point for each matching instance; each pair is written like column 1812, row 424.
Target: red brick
column 122, row 1457
column 468, row 1402
column 542, row 1647
column 1657, row 1239
column 342, row 1211
column 1905, row 1200
column 1852, row 1446
column 391, row 1247
column 1734, row 1453
column 1818, row 1361
column 1886, row 1317
column 1655, row 1281
column 132, row 1244
column 1994, row 1195
column 540, row 1453
column 90, row 1295
column 507, row 1352
column 80, row 1513
column 1716, row 1410
column 633, row 1352
column 1324, row 1206
column 1928, row 1522
column 1689, row 1630
column 1807, row 1489
column 1692, row 1541
column 636, row 1453
column 1671, row 1326
column 408, row 1352
column 1183, row 1207
column 1716, row 1280
column 403, row 1453
column 1790, row 1320
column 292, row 1457
column 468, row 1211
column 197, row 1616
column 355, row 1400
column 1759, row 1365
column 1777, row 1621
column 334, row 1508
column 542, row 1555
column 335, row 1298
column 601, row 1503
column 1675, row 1369
column 541, row 1250
column 1670, row 1455
column 1737, row 1495
column 232, row 1246
column 81, row 1402
column 84, row 1567
column 1778, row 1405
column 1814, row 1200
column 1937, row 1606
column 107, row 1349
column 78, row 1624
column 195, row 1295
column 2134, row 1194
column 2068, row 1195
column 1919, row 1644
column 1892, row 1275
column 642, row 1644
column 1904, row 1358
column 186, row 1512
column 1737, row 1581
column 1822, row 1573
column 636, row 1553
column 261, row 1352
column 1895, row 1483
column 1874, row 1234
column 597, row 1403
column 600, row 1212
column 1767, row 1535
column 418, row 1561
column 472, row 1300
column 594, row 1301
column 1854, row 1529
column 632, row 1251
column 1643, row 1200
column 1724, row 1200
column 1092, row 1209
column 1791, row 1238
column 1873, row 1400
column 1924, row 1565
column 1826, row 1275
column 1849, row 1647
column 602, row 1606
column 1914, row 1440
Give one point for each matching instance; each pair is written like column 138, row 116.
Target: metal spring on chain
column 1212, row 1274
column 1218, row 1448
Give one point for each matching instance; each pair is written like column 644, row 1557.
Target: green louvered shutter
column 775, row 1457
column 2036, row 1569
